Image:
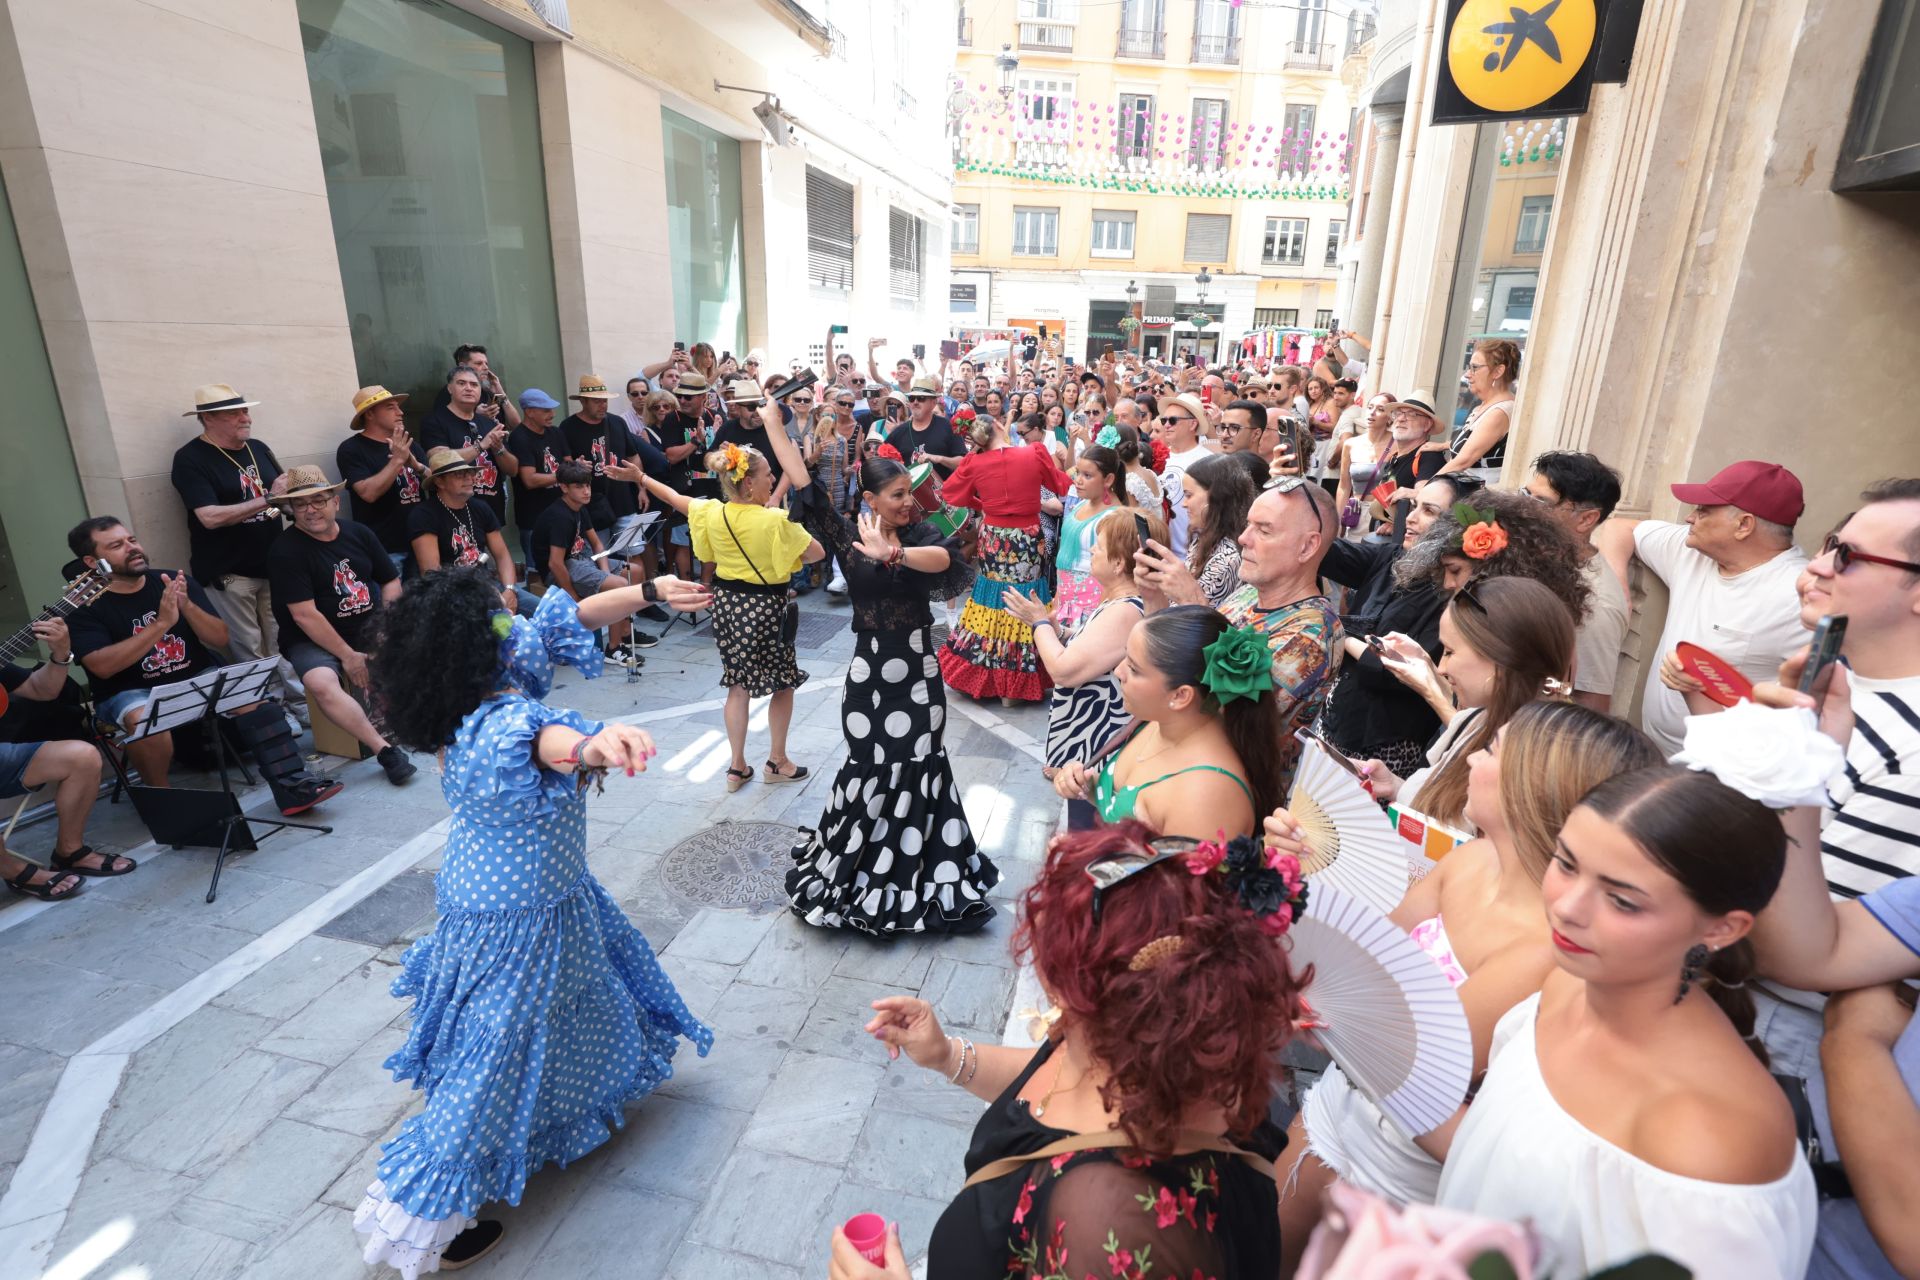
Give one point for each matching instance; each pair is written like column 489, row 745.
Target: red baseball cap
column 1764, row 489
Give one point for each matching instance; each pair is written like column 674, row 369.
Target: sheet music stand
column 644, row 531
column 186, row 817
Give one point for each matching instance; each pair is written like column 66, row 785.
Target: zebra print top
column 1084, row 718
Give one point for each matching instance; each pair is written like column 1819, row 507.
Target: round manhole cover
column 736, row 866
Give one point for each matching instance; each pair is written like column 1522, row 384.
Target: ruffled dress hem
column 398, row 1239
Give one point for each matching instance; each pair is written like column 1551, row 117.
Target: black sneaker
column 398, row 765
column 654, row 613
column 642, row 639
column 471, row 1245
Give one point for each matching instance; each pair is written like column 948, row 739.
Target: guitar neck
column 23, row 640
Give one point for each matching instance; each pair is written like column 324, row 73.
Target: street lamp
column 1204, row 279
column 1007, row 64
column 1133, row 338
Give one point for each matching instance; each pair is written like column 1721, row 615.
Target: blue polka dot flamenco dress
column 539, row 1012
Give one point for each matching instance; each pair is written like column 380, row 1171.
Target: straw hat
column 592, row 387
column 442, row 461
column 217, row 397
column 367, row 397
column 304, row 481
column 745, row 391
column 691, row 384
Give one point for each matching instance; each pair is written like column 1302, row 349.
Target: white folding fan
column 1351, row 843
column 1393, row 1021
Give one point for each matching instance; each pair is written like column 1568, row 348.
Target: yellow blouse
column 774, row 542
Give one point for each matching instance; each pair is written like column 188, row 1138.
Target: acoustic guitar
column 82, row 591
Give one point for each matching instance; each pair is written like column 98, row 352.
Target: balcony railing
column 1048, row 37
column 966, row 32
column 1141, row 44
column 1302, row 54
column 1216, row 48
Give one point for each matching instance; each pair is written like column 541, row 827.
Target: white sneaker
column 838, row 586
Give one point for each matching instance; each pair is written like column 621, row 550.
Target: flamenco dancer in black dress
column 893, row 852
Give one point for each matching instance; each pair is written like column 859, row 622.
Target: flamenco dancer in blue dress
column 539, row 1012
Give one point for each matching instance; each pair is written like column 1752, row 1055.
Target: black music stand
column 189, row 817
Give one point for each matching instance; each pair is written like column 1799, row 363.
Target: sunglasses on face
column 1845, row 553
column 1173, row 418
column 1284, row 485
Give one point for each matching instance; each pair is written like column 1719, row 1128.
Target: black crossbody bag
column 790, row 620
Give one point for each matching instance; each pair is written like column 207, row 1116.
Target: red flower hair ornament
column 889, row 452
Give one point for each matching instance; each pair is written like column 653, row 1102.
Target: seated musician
column 450, row 530
column 151, row 628
column 565, row 542
column 71, row 768
column 330, row 578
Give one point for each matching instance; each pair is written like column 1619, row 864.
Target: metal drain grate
column 735, row 866
column 819, row 629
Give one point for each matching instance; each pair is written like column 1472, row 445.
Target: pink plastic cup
column 867, row 1233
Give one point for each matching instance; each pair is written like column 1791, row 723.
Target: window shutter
column 1207, row 237
column 829, row 231
column 903, row 254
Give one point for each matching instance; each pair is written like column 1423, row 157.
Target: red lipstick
column 1569, row 946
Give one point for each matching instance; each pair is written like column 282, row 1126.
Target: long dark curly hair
column 436, row 657
column 1538, row 547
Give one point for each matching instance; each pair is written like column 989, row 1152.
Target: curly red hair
column 1204, row 1025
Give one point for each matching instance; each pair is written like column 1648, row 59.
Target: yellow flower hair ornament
column 739, row 461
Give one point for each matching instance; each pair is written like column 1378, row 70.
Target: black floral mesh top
column 884, row 599
column 1113, row 1213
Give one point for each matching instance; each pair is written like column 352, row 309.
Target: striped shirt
column 1870, row 833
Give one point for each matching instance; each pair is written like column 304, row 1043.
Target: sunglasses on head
column 1469, row 594
column 1109, row 874
column 1284, row 485
column 1845, row 553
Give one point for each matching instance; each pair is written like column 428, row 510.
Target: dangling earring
column 1690, row 966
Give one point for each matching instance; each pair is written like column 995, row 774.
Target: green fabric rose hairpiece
column 1108, row 438
column 1239, row 665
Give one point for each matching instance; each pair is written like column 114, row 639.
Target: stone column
column 1373, row 244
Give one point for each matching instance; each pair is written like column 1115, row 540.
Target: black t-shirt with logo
column 342, row 578
column 115, row 616
column 462, row 534
column 444, row 429
column 358, row 458
column 541, row 451
column 939, row 438
column 597, row 444
column 208, row 476
column 560, row 526
column 732, row 432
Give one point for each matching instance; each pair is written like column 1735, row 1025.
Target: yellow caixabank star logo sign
column 1517, row 57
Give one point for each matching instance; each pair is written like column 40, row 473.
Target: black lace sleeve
column 956, row 579
column 813, row 511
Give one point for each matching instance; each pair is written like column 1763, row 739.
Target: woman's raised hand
column 618, row 746
column 1072, row 781
column 906, row 1023
column 872, row 543
column 1282, row 831
column 1027, row 608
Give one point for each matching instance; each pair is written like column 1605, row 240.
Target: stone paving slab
column 240, row 1141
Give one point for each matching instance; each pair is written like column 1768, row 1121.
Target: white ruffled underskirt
column 397, row 1239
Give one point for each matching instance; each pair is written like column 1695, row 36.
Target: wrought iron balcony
column 1302, row 54
column 1048, row 37
column 1216, row 48
column 1141, row 44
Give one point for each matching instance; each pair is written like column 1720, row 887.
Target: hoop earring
column 1690, row 966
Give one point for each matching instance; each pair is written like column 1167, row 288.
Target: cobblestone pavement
column 196, row 1091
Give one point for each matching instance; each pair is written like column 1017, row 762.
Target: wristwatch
column 649, row 592
column 61, row 662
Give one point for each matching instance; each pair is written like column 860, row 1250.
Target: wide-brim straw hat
column 304, row 481
column 367, row 397
column 745, row 391
column 592, row 388
column 217, row 397
column 442, row 461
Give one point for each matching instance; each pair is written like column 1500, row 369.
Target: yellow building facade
column 1098, row 146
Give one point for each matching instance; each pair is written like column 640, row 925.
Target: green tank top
column 1115, row 804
